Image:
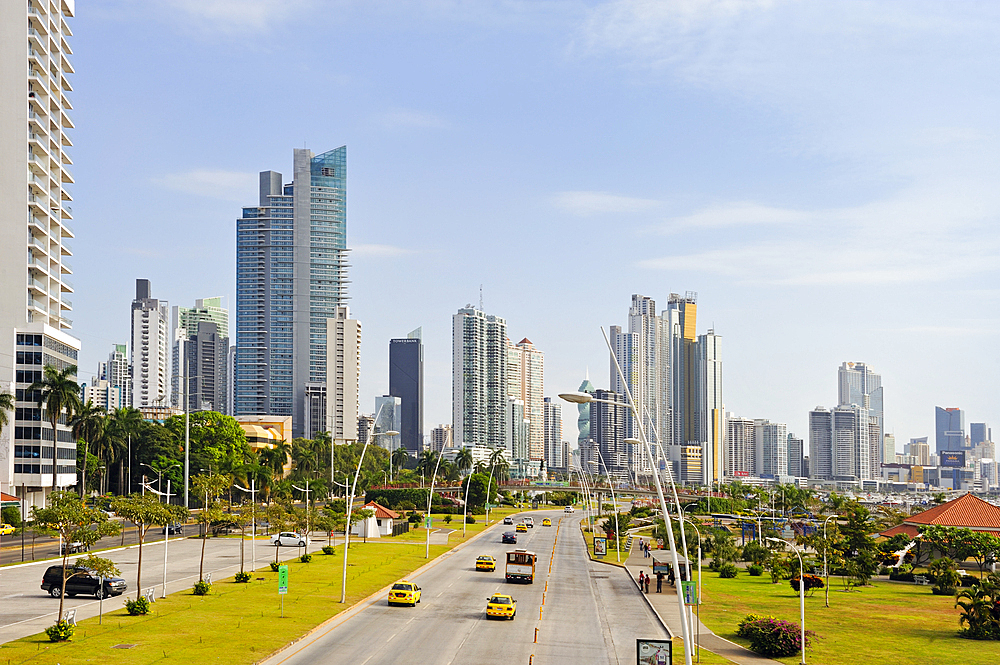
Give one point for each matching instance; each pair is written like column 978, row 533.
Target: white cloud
column 408, row 118
column 597, row 203
column 239, row 15
column 225, row 185
column 379, row 251
column 744, row 213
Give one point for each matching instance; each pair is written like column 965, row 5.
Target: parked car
column 508, row 520
column 289, row 539
column 72, row 548
column 173, row 530
column 501, row 606
column 509, row 537
column 82, row 581
column 404, row 593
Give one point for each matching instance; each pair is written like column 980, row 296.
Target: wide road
column 592, row 612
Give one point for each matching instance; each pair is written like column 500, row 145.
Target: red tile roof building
column 967, row 511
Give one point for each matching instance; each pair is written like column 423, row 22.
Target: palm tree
column 398, row 459
column 978, row 608
column 426, row 462
column 6, row 404
column 88, row 426
column 59, row 393
column 463, row 460
column 127, row 421
column 499, row 464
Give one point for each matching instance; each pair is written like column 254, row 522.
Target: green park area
column 237, row 624
column 890, row 623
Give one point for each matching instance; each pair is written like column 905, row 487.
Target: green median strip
column 236, row 624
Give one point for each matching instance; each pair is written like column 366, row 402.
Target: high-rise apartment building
column 919, row 451
column 583, row 414
column 343, row 380
column 406, row 381
column 857, row 384
column 979, row 433
column 150, row 348
column 441, row 438
column 770, row 448
column 796, row 459
column 516, row 438
column 291, row 275
column 710, row 411
column 739, row 446
column 34, row 235
column 526, row 382
column 554, row 454
column 949, row 429
column 839, row 443
column 888, row 449
column 607, row 431
column 479, row 378
column 116, row 377
column 200, row 356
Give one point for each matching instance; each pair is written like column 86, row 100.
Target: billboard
column 953, row 458
column 600, row 546
column 654, row 652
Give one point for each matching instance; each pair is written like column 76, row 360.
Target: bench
column 921, row 580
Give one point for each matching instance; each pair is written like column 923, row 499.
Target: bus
column 520, row 566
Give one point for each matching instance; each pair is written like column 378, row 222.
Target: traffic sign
column 428, row 522
column 282, row 579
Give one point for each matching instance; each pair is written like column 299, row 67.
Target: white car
column 568, row 509
column 529, row 522
column 289, row 539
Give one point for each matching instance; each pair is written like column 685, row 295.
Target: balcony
column 66, row 268
column 36, row 285
column 66, row 304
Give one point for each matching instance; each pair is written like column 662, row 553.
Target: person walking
column 647, row 583
column 659, row 582
column 642, row 576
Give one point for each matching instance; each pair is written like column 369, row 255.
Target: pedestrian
column 642, row 576
column 647, row 583
column 659, row 582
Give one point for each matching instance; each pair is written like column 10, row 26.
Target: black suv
column 509, row 537
column 83, row 581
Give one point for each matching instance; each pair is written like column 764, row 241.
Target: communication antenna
column 480, row 297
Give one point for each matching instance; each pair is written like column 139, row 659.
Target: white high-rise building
column 479, row 378
column 839, row 444
column 388, row 418
column 343, row 376
column 554, row 447
column 526, row 382
column 34, row 233
column 150, row 348
column 857, row 384
column 115, row 371
column 770, row 449
column 739, row 447
column 710, row 411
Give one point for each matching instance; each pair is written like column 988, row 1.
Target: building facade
column 739, row 447
column 406, row 381
column 291, row 275
column 526, row 382
column 479, row 378
column 441, row 438
column 343, row 379
column 770, row 449
column 150, row 367
column 388, row 418
column 839, row 444
column 552, row 417
column 857, row 384
column 607, row 431
column 949, row 429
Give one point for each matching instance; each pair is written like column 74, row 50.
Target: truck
column 520, row 566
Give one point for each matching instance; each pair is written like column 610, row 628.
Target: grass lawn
column 235, row 624
column 889, row 623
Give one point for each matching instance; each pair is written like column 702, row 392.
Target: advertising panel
column 600, row 546
column 654, row 652
column 953, row 458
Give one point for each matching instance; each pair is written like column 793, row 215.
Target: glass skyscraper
column 290, row 277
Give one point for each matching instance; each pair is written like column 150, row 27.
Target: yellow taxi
column 501, row 606
column 486, row 562
column 521, row 528
column 546, row 522
column 6, row 530
column 404, row 593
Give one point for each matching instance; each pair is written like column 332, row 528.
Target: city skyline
column 741, row 187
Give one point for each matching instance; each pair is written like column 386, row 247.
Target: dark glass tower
column 406, row 381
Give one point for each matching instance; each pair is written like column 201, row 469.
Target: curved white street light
column 430, row 496
column 166, row 536
column 802, row 594
column 306, row 490
column 826, row 571
column 618, row 538
column 698, row 531
column 349, row 505
column 253, row 517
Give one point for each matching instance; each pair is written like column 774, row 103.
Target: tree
column 945, row 575
column 123, row 426
column 75, row 523
column 977, row 545
column 426, row 462
column 217, row 441
column 6, row 404
column 398, row 459
column 277, row 519
column 88, row 426
column 58, row 393
column 980, row 606
column 208, row 488
column 499, row 464
column 145, row 511
column 463, row 459
column 475, row 486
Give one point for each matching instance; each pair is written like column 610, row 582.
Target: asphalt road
column 592, row 612
column 25, row 609
column 47, row 546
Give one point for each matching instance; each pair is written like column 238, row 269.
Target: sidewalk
column 665, row 606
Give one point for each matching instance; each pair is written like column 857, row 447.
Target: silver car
column 289, row 539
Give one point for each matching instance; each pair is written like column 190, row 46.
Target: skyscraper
column 291, row 269
column 343, row 378
column 34, row 233
column 479, row 378
column 739, row 446
column 150, row 347
column 115, row 372
column 709, row 408
column 839, row 443
column 770, row 449
column 607, row 431
column 949, row 429
column 201, row 354
column 583, row 414
column 526, row 382
column 796, row 459
column 979, row 433
column 858, row 384
column 388, row 418
column 554, row 454
column 406, row 381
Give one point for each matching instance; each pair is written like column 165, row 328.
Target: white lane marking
column 439, row 595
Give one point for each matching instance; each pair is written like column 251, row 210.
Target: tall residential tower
column 479, row 378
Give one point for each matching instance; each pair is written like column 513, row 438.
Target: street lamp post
column 159, row 475
column 698, row 531
column 802, row 595
column 826, row 571
column 166, row 534
column 430, row 496
column 307, row 490
column 614, row 502
column 349, row 506
column 253, row 518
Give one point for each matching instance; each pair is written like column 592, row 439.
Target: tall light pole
column 166, row 536
column 307, row 490
column 348, row 509
column 430, row 496
column 697, row 531
column 159, row 476
column 826, row 571
column 614, row 502
column 253, row 517
column 802, row 595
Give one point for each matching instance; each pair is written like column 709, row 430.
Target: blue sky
column 824, row 175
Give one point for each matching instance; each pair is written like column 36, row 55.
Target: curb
column 319, row 631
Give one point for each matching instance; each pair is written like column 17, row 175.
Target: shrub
column 447, row 519
column 944, row 591
column 137, row 607
column 755, row 552
column 274, row 566
column 11, row 515
column 306, row 558
column 242, row 578
column 61, row 631
column 812, row 582
column 329, row 550
column 469, row 519
column 901, row 577
column 728, row 571
column 755, row 570
column 905, row 568
column 202, row 588
column 771, row 637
